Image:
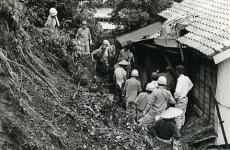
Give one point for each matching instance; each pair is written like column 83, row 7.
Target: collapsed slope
column 47, row 102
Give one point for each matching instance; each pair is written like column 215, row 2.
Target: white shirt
column 184, row 85
column 120, row 76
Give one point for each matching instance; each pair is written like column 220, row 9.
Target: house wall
column 202, row 91
column 201, row 71
column 223, row 97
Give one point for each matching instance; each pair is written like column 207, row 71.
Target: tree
column 133, row 14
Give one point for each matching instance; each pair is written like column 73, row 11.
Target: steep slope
column 47, row 102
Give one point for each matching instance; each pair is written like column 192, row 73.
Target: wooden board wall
column 202, row 92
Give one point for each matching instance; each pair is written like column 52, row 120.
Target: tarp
column 140, row 34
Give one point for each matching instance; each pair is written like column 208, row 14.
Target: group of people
column 155, row 106
column 107, row 59
column 161, row 105
column 82, row 40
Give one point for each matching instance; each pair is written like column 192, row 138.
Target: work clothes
column 181, row 104
column 125, row 55
column 155, row 83
column 119, row 101
column 120, row 76
column 112, row 51
column 141, row 103
column 52, row 22
column 101, row 54
column 102, row 62
column 83, row 37
column 160, row 98
column 128, row 56
column 184, row 85
column 131, row 89
column 166, row 129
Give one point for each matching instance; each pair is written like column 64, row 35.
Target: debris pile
column 50, row 102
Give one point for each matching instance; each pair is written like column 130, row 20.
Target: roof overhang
column 221, row 56
column 145, row 33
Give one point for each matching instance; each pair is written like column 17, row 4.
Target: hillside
column 47, row 102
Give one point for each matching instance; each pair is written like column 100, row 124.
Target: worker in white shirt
column 120, row 73
column 119, row 77
column 184, row 85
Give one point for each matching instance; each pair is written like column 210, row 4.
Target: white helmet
column 162, row 80
column 53, row 12
column 150, row 87
column 106, row 42
column 134, row 73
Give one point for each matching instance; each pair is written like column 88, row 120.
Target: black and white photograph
column 114, row 74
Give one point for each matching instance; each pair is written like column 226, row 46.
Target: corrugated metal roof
column 139, row 35
column 210, row 28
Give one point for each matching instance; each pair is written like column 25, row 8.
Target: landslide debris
column 49, row 102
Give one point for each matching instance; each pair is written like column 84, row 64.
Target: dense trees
column 133, row 14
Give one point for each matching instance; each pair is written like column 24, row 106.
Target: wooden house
column 207, row 31
column 196, row 33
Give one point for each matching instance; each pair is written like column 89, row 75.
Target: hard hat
column 53, row 12
column 123, row 62
column 84, row 22
column 172, row 112
column 106, row 42
column 150, row 87
column 134, row 73
column 162, row 80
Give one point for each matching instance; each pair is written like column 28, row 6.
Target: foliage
column 133, row 14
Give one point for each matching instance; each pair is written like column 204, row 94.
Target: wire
column 223, row 105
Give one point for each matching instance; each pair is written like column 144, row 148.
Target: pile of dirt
column 47, row 100
column 50, row 102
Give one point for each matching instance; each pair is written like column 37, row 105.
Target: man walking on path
column 83, row 38
column 101, row 57
column 126, row 54
column 142, row 100
column 184, row 85
column 158, row 103
column 120, row 76
column 131, row 90
column 52, row 20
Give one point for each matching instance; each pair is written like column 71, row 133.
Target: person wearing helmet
column 142, row 100
column 184, row 85
column 101, row 57
column 52, row 20
column 161, row 97
column 119, row 77
column 83, row 38
column 131, row 90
